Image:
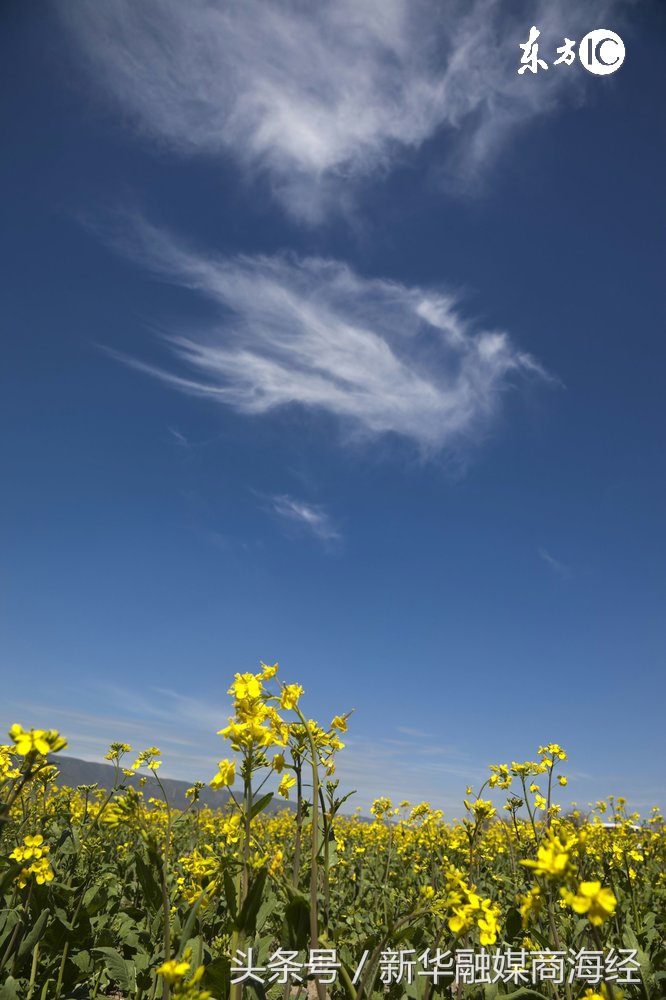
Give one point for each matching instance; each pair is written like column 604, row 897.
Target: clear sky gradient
column 328, row 338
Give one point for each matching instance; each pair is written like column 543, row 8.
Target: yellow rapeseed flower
column 173, row 970
column 553, row 750
column 288, row 781
column 593, row 900
column 40, row 741
column 245, row 687
column 290, row 695
column 602, row 993
column 226, row 773
column 552, row 861
column 531, row 904
column 116, row 750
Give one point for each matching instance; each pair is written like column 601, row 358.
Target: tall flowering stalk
column 256, row 727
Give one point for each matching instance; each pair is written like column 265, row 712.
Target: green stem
column 314, row 871
column 18, row 931
column 166, row 905
column 527, row 806
column 296, row 870
column 33, row 971
column 597, row 940
column 556, row 936
column 238, row 936
column 61, row 970
column 550, row 783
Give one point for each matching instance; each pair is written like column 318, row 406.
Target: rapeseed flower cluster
column 256, row 723
column 466, row 908
column 33, row 856
column 138, row 880
column 553, row 860
column 593, row 900
column 183, row 980
column 36, row 741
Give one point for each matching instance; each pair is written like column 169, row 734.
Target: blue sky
column 331, row 339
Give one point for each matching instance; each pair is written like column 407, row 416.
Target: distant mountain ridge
column 74, row 771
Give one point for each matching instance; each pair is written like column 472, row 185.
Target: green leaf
column 141, row 961
column 247, row 917
column 8, row 876
column 35, row 933
column 61, row 917
column 10, row 990
column 150, row 885
column 94, row 899
column 197, row 949
column 155, row 929
column 116, row 966
column 513, row 925
column 630, row 939
column 417, row 989
column 9, row 920
column 267, row 907
column 217, row 977
column 83, row 961
column 541, row 938
column 258, row 989
column 189, row 924
column 230, row 895
column 296, row 924
column 261, row 804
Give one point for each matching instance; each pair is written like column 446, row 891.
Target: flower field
column 113, row 893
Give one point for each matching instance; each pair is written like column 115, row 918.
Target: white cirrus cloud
column 558, row 567
column 404, row 770
column 308, row 517
column 314, row 94
column 381, row 357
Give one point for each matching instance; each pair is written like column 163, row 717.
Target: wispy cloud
column 185, row 728
column 178, row 436
column 405, row 769
column 408, row 731
column 380, row 356
column 188, row 742
column 311, row 518
column 317, row 95
column 559, row 568
column 409, row 767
